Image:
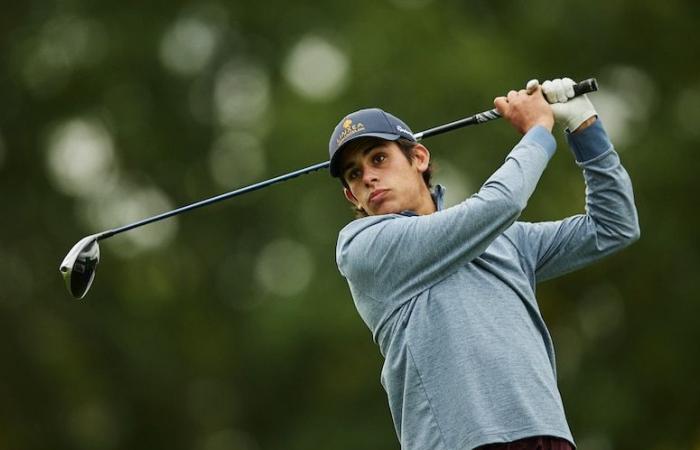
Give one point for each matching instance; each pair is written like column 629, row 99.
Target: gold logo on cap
column 349, row 129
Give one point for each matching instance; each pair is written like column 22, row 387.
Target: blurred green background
column 230, row 328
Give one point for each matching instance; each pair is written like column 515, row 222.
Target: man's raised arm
column 610, row 221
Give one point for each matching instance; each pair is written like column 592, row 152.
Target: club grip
column 585, row 86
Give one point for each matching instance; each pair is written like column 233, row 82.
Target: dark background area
column 229, row 328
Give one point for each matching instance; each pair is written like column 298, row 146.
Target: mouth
column 377, row 195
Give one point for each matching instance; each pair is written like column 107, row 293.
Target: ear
column 350, row 197
column 421, row 157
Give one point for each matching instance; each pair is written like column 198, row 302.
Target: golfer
column 449, row 293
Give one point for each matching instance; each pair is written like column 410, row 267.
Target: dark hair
column 406, row 147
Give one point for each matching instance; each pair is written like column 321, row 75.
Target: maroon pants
column 531, row 443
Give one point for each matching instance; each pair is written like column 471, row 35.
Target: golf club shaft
column 218, row 198
column 589, row 85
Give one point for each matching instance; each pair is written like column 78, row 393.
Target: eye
column 378, row 158
column 352, row 174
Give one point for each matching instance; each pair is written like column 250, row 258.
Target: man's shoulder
column 363, row 224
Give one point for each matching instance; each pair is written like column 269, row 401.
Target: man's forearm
column 609, row 195
column 590, row 121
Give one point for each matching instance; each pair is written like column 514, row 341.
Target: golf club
column 78, row 267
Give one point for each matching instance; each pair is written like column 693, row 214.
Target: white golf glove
column 568, row 110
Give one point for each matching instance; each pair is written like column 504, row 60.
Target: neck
column 425, row 205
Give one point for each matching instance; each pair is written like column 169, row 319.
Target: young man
column 449, row 294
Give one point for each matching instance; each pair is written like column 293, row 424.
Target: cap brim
column 335, row 160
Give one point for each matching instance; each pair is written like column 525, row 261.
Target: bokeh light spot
column 456, row 183
column 63, row 44
column 81, row 157
column 236, row 158
column 188, row 45
column 92, row 425
column 635, row 86
column 316, row 69
column 241, row 94
column 624, row 102
column 128, row 203
column 284, row 267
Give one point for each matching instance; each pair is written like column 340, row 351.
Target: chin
column 386, row 209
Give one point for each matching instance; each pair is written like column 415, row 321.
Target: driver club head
column 78, row 267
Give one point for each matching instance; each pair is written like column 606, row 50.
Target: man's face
column 381, row 180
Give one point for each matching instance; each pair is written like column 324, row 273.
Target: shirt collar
column 438, row 195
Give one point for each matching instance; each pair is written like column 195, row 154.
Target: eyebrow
column 364, row 153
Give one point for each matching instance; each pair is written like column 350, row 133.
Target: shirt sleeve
column 610, row 222
column 394, row 256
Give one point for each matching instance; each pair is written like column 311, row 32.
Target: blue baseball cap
column 371, row 122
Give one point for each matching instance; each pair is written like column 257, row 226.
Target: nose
column 369, row 175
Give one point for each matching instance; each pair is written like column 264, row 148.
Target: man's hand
column 524, row 110
column 573, row 113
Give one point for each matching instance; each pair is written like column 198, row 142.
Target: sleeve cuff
column 589, row 143
column 541, row 137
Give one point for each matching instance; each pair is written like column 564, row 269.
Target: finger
column 501, row 104
column 568, row 87
column 548, row 90
column 511, row 95
column 522, row 92
column 560, row 91
column 532, row 85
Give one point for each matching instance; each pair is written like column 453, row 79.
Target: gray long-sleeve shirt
column 450, row 297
